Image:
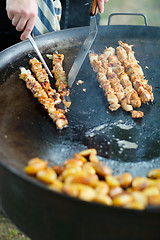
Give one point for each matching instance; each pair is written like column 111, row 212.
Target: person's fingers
column 21, row 23
column 101, row 6
column 10, row 13
column 15, row 20
column 22, row 13
column 28, row 29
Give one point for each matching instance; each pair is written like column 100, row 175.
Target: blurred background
column 151, row 9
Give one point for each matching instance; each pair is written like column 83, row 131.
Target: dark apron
column 75, row 13
column 8, row 33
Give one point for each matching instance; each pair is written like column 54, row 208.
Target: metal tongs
column 30, row 38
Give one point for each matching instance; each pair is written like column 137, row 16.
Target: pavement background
column 150, row 8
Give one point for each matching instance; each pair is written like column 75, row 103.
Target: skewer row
column 48, row 103
column 122, row 79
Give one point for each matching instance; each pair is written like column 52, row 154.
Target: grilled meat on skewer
column 94, row 61
column 135, row 72
column 118, row 69
column 104, row 82
column 119, row 91
column 42, row 76
column 115, row 81
column 48, row 103
column 61, row 83
column 121, row 84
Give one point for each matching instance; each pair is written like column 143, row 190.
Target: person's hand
column 101, row 5
column 23, row 14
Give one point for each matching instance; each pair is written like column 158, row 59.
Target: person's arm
column 101, row 5
column 23, row 14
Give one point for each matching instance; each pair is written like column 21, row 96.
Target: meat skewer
column 48, row 103
column 104, row 82
column 42, row 77
column 61, row 83
column 109, row 54
column 121, row 83
column 115, row 82
column 124, row 80
column 134, row 71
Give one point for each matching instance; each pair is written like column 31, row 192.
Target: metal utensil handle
column 131, row 14
column 93, row 8
column 39, row 54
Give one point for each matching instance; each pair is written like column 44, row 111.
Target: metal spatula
column 85, row 46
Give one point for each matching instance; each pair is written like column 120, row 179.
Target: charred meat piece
column 42, row 77
column 48, row 103
column 104, row 82
column 61, row 83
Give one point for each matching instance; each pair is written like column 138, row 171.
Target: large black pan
column 26, row 131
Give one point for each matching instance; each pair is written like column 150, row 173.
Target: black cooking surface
column 122, row 142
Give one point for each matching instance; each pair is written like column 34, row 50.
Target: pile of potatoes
column 85, row 177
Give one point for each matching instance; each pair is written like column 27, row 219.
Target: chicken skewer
column 42, row 77
column 124, row 79
column 121, row 83
column 100, row 64
column 48, row 103
column 134, row 71
column 113, row 78
column 109, row 70
column 61, row 83
column 104, row 82
column 115, row 82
